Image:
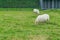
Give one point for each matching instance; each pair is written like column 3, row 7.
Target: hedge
column 19, row 3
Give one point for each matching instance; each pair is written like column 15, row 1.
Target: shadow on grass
column 52, row 23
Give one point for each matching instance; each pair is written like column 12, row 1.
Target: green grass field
column 19, row 25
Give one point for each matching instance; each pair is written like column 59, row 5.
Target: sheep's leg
column 47, row 19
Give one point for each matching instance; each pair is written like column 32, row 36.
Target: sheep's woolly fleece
column 42, row 18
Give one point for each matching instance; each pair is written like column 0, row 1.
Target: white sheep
column 42, row 18
column 36, row 11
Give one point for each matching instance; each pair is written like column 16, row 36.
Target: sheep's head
column 36, row 11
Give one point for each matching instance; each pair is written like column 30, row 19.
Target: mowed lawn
column 19, row 25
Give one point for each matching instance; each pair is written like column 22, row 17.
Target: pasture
column 19, row 25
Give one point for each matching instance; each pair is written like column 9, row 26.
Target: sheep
column 36, row 11
column 42, row 18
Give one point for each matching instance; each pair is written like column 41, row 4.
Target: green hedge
column 19, row 3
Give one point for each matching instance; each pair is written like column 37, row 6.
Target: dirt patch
column 37, row 37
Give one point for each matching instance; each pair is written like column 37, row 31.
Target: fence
column 50, row 4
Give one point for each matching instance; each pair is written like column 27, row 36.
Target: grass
column 15, row 9
column 19, row 25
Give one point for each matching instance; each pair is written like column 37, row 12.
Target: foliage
column 19, row 3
